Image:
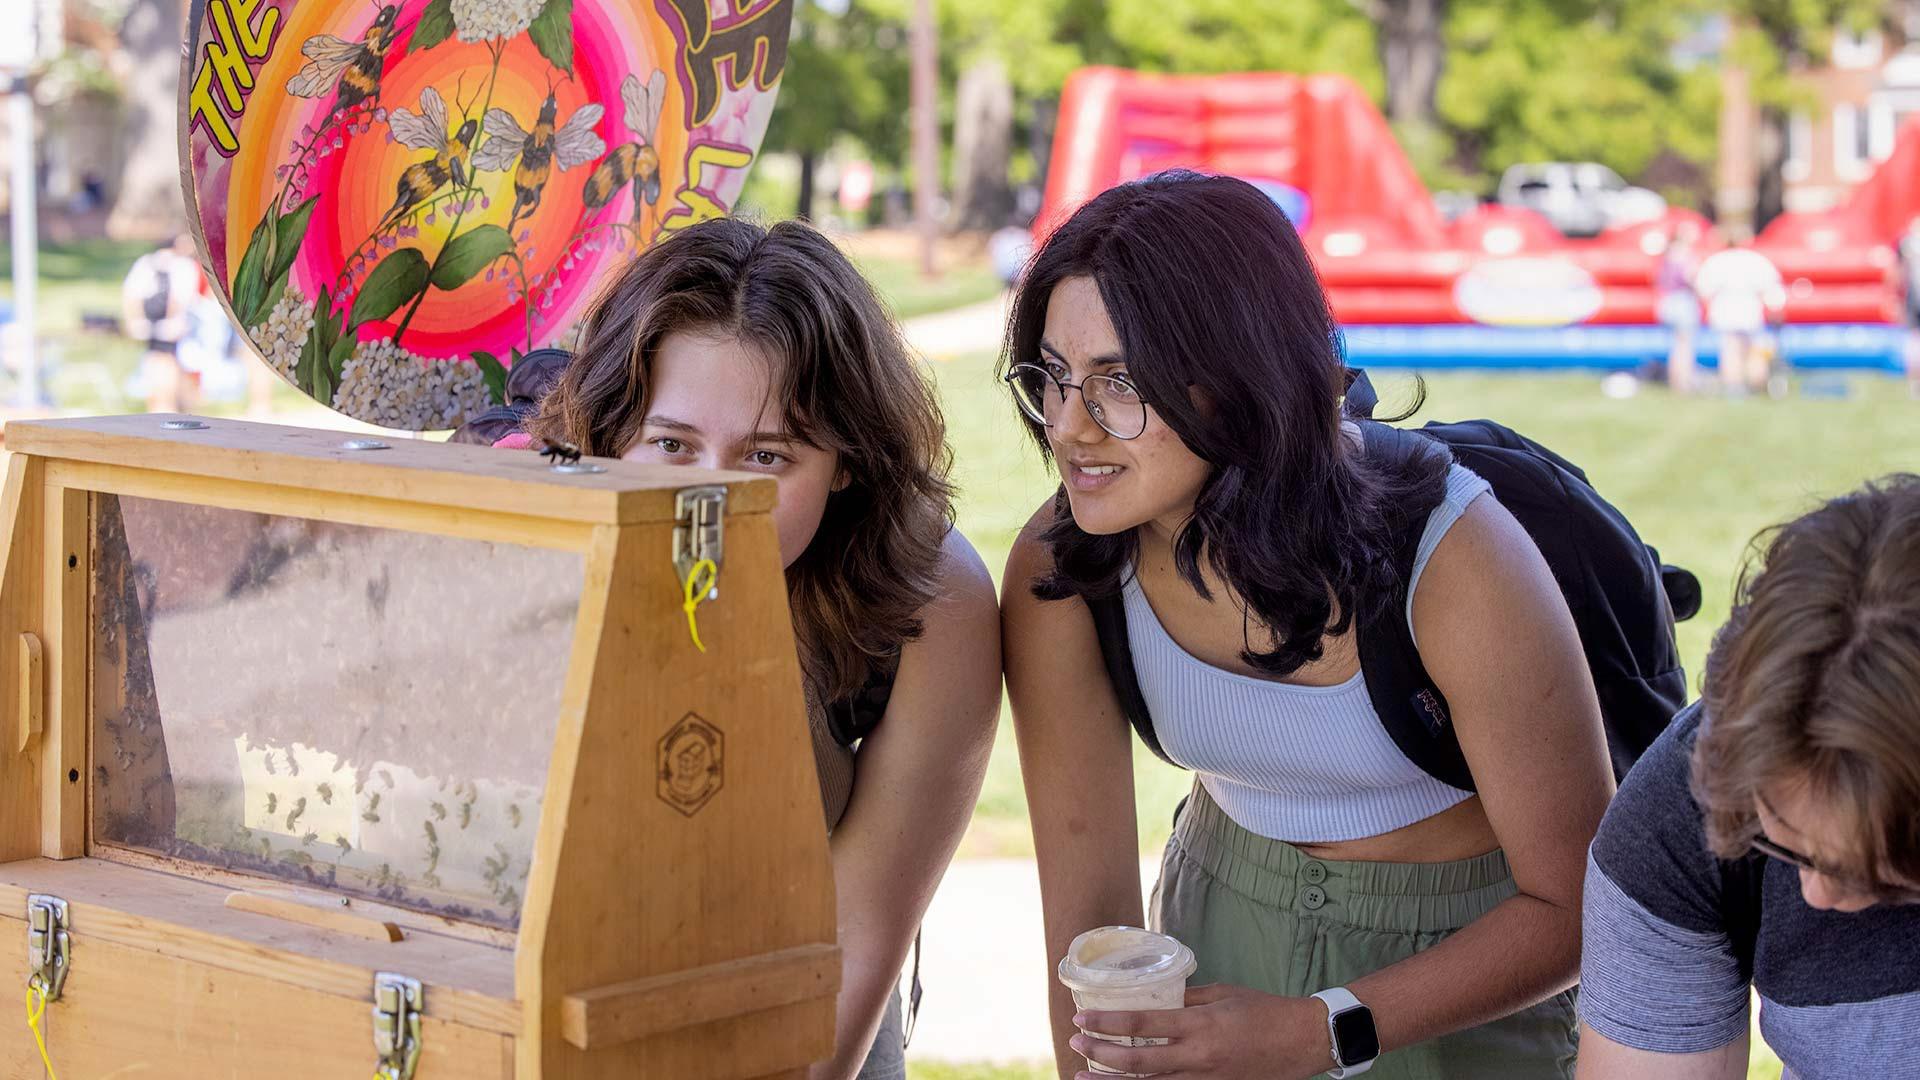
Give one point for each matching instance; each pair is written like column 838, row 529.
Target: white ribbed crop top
column 1310, row 764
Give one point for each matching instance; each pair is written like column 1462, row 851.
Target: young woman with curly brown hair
column 732, row 346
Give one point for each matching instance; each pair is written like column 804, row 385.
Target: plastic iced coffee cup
column 1126, row 969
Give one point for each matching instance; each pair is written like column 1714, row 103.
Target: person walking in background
column 1909, row 246
column 1678, row 306
column 156, row 298
column 1742, row 290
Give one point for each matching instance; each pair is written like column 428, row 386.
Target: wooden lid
column 412, row 470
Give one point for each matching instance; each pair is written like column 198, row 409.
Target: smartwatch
column 1350, row 1025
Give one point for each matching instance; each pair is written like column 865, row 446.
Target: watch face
column 1353, row 1033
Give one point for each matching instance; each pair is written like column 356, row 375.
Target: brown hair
column 1815, row 677
column 844, row 381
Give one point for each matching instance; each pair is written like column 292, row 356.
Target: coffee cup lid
column 1118, row 956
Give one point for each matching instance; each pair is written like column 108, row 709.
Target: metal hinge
column 49, row 944
column 699, row 532
column 398, row 1005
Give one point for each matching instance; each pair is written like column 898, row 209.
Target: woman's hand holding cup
column 1223, row 1033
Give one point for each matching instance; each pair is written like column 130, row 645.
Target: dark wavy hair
column 845, row 381
column 1815, row 675
column 1225, row 330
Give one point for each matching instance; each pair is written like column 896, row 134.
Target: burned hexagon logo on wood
column 690, row 764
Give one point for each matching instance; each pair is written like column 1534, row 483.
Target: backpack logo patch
column 1431, row 711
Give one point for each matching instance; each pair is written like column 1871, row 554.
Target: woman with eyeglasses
column 1770, row 840
column 1173, row 355
column 763, row 350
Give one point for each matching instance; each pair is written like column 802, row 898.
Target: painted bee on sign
column 427, row 130
column 637, row 162
column 572, row 143
column 352, row 66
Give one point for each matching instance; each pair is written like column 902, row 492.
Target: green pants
column 1262, row 914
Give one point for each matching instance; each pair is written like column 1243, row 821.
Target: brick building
column 1867, row 87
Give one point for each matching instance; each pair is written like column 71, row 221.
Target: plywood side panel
column 691, row 832
column 130, row 1013
column 20, row 543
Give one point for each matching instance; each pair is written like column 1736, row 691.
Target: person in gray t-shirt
column 1769, row 841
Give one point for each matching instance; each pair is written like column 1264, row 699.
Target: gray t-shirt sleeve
column 1652, row 985
column 1659, row 968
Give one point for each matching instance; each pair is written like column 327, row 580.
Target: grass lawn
column 899, row 283
column 83, row 369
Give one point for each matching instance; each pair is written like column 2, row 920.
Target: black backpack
column 1623, row 599
column 154, row 306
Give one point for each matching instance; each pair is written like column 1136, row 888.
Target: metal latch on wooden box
column 398, row 1005
column 698, row 534
column 49, row 943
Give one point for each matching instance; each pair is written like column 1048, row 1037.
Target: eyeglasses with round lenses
column 1113, row 402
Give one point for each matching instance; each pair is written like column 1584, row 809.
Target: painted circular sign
column 398, row 200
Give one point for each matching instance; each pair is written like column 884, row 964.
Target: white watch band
column 1338, row 1000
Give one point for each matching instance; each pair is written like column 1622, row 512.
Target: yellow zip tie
column 37, row 1008
column 696, row 590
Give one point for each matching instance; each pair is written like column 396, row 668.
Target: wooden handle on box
column 32, row 690
column 340, row 919
column 624, row 1012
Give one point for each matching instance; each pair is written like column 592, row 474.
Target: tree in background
column 1007, row 60
column 1471, row 86
column 1572, row 80
column 1410, row 38
column 983, row 146
column 150, row 202
column 1212, row 36
column 1774, row 40
column 846, row 76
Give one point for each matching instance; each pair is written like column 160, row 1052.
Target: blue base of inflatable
column 1846, row 346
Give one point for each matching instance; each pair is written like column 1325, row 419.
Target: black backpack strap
column 914, row 990
column 1361, row 397
column 1110, row 626
column 855, row 717
column 1411, row 708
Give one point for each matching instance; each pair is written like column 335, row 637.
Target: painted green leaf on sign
column 399, row 278
column 495, row 374
column 288, row 233
column 552, row 33
column 467, row 254
column 434, row 27
column 310, row 371
column 250, row 278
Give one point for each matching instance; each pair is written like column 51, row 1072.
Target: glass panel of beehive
column 370, row 711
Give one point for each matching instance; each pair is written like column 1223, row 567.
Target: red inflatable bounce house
column 1498, row 286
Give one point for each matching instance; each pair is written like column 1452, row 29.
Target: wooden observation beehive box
column 323, row 760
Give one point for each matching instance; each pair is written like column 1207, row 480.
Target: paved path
column 984, row 973
column 944, row 335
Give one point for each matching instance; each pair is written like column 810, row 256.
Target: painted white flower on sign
column 492, row 20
